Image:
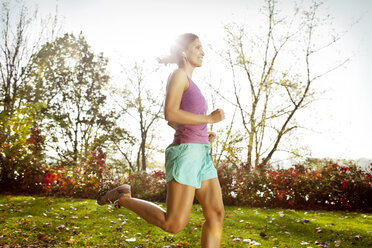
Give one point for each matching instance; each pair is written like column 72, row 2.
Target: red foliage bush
column 84, row 180
column 148, row 186
column 27, row 165
column 331, row 187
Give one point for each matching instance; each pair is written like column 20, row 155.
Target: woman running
column 188, row 166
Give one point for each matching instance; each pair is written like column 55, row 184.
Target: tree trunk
column 138, row 160
column 143, row 151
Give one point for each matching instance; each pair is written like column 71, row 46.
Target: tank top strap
column 191, row 83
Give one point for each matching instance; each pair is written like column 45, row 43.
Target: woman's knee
column 174, row 226
column 220, row 214
column 215, row 215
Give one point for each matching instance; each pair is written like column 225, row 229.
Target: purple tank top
column 192, row 101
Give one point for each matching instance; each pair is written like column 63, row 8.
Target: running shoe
column 113, row 196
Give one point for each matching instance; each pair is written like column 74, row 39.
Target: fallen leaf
column 71, row 241
column 356, row 237
column 237, row 239
column 320, row 244
column 59, row 227
column 338, row 243
column 42, row 236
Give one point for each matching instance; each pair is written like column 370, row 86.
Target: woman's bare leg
column 210, row 198
column 179, row 203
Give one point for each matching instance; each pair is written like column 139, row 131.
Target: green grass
column 29, row 221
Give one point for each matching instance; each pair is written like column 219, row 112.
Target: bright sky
column 128, row 30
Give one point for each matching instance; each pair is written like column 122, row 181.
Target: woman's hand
column 211, row 136
column 216, row 116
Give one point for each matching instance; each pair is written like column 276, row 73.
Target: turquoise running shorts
column 189, row 164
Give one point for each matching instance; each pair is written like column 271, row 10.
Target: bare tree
column 273, row 75
column 141, row 108
column 227, row 139
column 19, row 39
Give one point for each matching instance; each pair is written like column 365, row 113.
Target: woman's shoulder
column 178, row 76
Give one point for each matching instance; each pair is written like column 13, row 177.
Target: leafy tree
column 71, row 80
column 267, row 92
column 21, row 146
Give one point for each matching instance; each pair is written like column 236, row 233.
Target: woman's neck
column 188, row 69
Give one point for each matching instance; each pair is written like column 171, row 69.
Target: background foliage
column 59, row 119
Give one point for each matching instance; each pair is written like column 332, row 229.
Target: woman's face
column 195, row 53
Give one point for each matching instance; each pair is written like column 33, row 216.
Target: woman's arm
column 177, row 84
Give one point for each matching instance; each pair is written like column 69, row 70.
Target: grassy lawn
column 27, row 221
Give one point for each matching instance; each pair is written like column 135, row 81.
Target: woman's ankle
column 123, row 200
